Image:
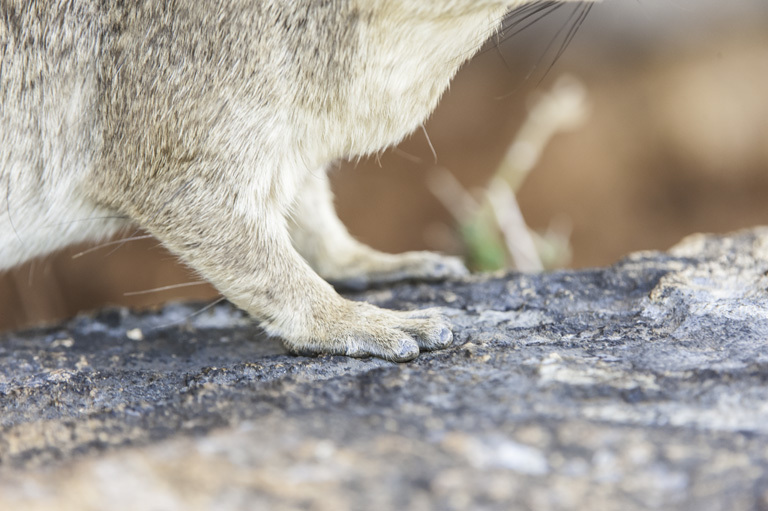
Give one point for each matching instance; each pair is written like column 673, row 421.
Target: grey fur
column 210, row 124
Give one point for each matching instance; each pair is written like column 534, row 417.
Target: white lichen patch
column 571, row 371
column 67, row 342
column 135, row 334
column 731, row 284
column 497, row 452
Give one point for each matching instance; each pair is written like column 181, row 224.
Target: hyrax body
column 211, row 124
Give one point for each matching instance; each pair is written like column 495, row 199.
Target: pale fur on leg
column 323, row 240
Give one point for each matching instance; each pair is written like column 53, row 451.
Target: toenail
column 446, row 336
column 408, row 350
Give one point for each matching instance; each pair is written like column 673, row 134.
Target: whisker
column 582, row 12
column 187, row 317
column 110, row 243
column 406, row 155
column 571, row 26
column 429, row 141
column 535, row 11
column 532, row 13
column 567, row 23
column 503, row 58
column 119, row 246
column 164, row 288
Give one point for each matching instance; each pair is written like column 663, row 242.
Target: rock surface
column 639, row 386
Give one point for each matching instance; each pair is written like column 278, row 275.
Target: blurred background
column 674, row 140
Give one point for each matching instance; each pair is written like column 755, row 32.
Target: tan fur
column 210, row 124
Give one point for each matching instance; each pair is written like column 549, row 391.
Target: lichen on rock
column 637, row 386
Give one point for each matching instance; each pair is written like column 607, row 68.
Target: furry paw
column 362, row 330
column 378, row 268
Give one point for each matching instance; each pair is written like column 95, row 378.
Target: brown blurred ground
column 677, row 143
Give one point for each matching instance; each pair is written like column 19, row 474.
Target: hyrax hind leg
column 236, row 235
column 322, row 239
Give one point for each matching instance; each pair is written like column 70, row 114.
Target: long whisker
column 571, row 27
column 111, row 243
column 187, row 317
column 523, row 18
column 429, row 141
column 406, row 155
column 568, row 25
column 164, row 288
column 582, row 13
column 534, row 11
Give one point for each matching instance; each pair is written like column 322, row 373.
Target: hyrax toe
column 444, row 267
column 408, row 350
column 431, row 334
column 378, row 269
column 365, row 330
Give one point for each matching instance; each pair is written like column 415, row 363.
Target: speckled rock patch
column 639, row 386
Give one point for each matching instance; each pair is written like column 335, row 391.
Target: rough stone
column 638, row 386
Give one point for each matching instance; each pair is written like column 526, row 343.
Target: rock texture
column 639, row 386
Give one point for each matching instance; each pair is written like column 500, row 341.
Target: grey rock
column 638, row 386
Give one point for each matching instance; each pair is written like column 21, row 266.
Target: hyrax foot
column 373, row 268
column 362, row 330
